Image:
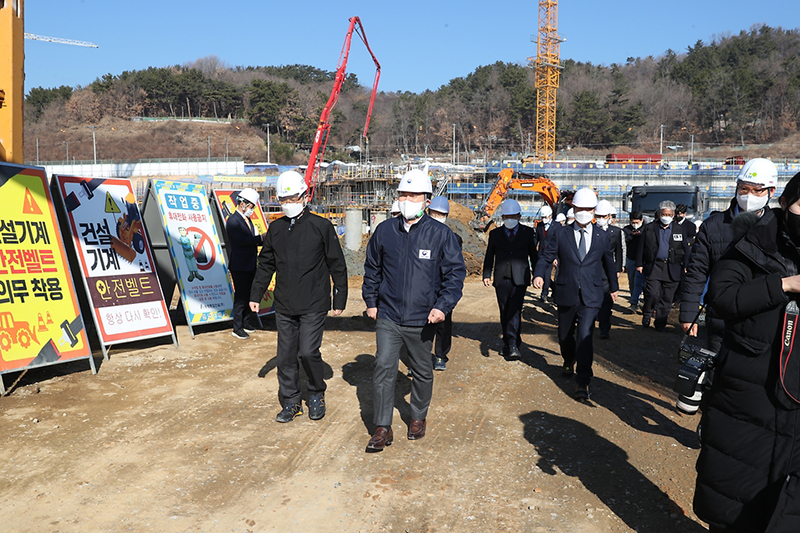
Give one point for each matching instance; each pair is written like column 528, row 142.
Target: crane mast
column 548, row 72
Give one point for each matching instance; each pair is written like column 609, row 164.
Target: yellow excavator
column 506, row 181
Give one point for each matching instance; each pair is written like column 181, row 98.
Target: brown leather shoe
column 416, row 430
column 380, row 439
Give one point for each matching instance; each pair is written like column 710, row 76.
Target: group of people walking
column 742, row 264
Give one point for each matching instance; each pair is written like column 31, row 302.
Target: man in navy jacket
column 583, row 254
column 413, row 277
column 243, row 243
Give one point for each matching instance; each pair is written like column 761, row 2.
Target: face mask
column 666, row 220
column 793, row 226
column 292, row 210
column 636, row 225
column 547, row 220
column 602, row 222
column 411, row 210
column 249, row 212
column 439, row 219
column 510, row 223
column 751, row 202
column 583, row 217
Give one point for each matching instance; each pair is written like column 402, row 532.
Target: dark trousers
column 659, row 290
column 299, row 339
column 418, row 341
column 604, row 315
column 444, row 337
column 510, row 298
column 575, row 325
column 548, row 273
column 242, row 283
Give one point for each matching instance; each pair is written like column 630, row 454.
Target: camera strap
column 696, row 318
column 789, row 375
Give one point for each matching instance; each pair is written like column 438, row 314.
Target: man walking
column 633, row 233
column 662, row 257
column 546, row 214
column 510, row 253
column 243, row 243
column 583, row 256
column 303, row 252
column 603, row 215
column 413, row 277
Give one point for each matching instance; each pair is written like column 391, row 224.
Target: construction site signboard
column 40, row 318
column 226, row 203
column 114, row 256
column 194, row 246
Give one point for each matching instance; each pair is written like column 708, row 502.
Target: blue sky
column 420, row 44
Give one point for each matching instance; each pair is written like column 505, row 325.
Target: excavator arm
column 506, row 181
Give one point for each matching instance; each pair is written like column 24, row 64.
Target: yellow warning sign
column 111, row 205
column 29, row 205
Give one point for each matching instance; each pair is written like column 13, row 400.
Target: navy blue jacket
column 510, row 258
column 578, row 282
column 407, row 274
column 243, row 244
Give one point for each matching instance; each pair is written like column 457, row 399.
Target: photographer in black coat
column 748, row 471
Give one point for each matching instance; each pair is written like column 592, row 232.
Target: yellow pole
column 12, row 79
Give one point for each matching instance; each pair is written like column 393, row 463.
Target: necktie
column 582, row 250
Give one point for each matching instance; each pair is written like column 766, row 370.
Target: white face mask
column 666, row 220
column 583, row 217
column 603, row 222
column 751, row 202
column 510, row 223
column 443, row 220
column 292, row 210
column 636, row 225
column 547, row 220
column 411, row 210
column 249, row 212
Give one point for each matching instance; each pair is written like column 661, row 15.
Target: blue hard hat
column 510, row 207
column 440, row 204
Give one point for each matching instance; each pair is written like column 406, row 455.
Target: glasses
column 746, row 189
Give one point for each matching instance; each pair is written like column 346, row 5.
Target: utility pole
column 267, row 143
column 453, row 159
column 67, row 143
column 209, row 148
column 94, row 143
column 661, row 145
column 37, row 150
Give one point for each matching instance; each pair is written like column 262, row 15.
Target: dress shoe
column 582, row 392
column 514, row 353
column 289, row 412
column 380, row 439
column 416, row 430
column 316, row 406
column 604, row 334
column 567, row 370
column 646, row 321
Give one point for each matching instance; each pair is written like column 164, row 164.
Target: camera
column 693, row 376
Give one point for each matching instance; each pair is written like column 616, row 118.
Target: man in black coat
column 541, row 237
column 689, row 229
column 603, row 214
column 583, row 256
column 302, row 250
column 662, row 257
column 243, row 243
column 510, row 253
column 633, row 233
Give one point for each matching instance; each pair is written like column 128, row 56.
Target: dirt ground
column 185, row 439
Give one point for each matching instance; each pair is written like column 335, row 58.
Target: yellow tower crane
column 12, row 76
column 548, row 71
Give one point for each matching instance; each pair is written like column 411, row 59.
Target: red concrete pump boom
column 321, row 138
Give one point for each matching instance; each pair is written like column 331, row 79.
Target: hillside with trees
column 737, row 90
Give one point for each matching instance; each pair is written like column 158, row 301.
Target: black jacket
column 303, row 256
column 711, row 241
column 678, row 256
column 615, row 238
column 541, row 234
column 510, row 258
column 409, row 273
column 632, row 237
column 243, row 243
column 749, row 463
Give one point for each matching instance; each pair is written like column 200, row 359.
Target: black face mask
column 793, row 227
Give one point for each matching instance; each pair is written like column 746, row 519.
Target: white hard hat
column 546, row 211
column 759, row 171
column 395, row 207
column 613, row 210
column 585, row 198
column 560, row 217
column 248, row 194
column 603, row 208
column 570, row 213
column 290, row 183
column 415, row 181
column 510, row 207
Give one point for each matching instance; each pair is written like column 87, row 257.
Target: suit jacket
column 579, row 282
column 541, row 234
column 510, row 258
column 243, row 244
column 678, row 258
